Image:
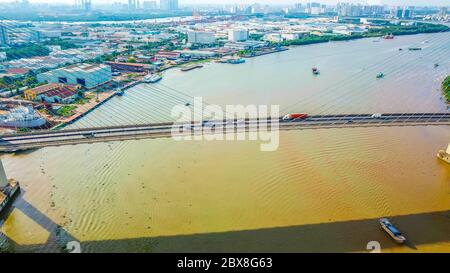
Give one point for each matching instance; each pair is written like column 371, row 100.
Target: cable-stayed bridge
column 47, row 138
column 149, row 113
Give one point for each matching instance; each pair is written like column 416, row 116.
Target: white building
column 86, row 75
column 238, row 35
column 273, row 37
column 201, row 37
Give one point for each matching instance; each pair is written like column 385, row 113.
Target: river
column 322, row 190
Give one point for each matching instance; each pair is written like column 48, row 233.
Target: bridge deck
column 46, row 138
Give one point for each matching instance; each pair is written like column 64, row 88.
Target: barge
column 191, row 67
column 152, row 78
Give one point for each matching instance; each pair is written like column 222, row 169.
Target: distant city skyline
column 270, row 2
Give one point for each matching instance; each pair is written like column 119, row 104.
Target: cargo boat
column 152, row 78
column 444, row 155
column 294, row 116
column 191, row 67
column 392, row 231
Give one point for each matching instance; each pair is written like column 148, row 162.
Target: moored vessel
column 191, row 67
column 152, row 78
column 236, row 61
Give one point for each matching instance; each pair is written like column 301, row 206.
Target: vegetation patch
column 446, row 88
column 66, row 111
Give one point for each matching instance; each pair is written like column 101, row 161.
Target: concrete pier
column 8, row 189
column 445, row 155
column 3, row 178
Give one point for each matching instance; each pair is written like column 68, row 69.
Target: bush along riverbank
column 446, row 88
column 392, row 29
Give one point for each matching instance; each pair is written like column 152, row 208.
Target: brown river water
column 322, row 190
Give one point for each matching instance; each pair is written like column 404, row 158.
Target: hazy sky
column 388, row 2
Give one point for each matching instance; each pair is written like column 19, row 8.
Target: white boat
column 392, row 231
column 152, row 78
column 22, row 117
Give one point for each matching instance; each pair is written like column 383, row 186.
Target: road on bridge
column 46, row 138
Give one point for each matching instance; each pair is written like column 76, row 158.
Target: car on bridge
column 89, row 135
column 377, row 115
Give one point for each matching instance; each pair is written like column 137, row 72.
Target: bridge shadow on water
column 346, row 236
column 56, row 241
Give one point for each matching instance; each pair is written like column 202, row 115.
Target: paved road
column 40, row 139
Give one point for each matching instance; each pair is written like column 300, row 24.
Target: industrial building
column 126, row 67
column 52, row 93
column 86, row 75
column 238, row 35
column 201, row 37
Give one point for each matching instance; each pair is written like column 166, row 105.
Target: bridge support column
column 3, row 177
column 445, row 155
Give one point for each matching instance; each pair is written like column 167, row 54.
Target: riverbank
column 420, row 28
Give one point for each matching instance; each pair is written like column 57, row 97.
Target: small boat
column 392, row 231
column 152, row 78
column 388, row 37
column 380, row 75
column 414, row 48
column 187, row 104
column 315, row 71
column 436, row 65
column 400, row 49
